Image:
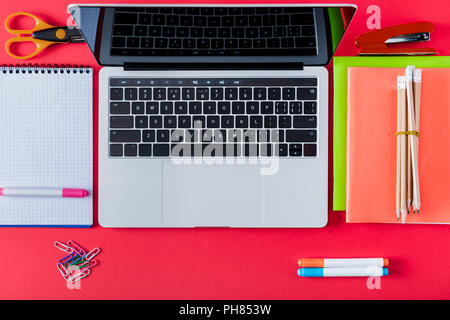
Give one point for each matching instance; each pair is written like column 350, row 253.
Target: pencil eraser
column 385, row 262
column 385, row 271
column 1, row 191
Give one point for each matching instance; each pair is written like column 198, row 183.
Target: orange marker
column 343, row 263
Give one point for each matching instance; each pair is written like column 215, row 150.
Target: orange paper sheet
column 371, row 146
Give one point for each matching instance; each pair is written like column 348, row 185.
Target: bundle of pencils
column 408, row 121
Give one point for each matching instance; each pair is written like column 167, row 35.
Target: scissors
column 42, row 35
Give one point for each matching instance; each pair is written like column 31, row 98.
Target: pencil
column 411, row 137
column 417, row 81
column 400, row 102
column 403, row 150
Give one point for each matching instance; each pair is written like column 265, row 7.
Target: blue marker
column 343, row 272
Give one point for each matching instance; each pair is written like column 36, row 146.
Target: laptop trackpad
column 212, row 195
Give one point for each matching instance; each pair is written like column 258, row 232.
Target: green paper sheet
column 340, row 107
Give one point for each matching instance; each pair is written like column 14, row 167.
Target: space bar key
column 301, row 135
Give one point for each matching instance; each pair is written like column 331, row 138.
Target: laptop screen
column 217, row 33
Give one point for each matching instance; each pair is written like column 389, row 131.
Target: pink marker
column 44, row 192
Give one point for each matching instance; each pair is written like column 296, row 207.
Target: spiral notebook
column 46, row 141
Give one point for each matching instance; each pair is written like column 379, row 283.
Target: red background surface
column 228, row 263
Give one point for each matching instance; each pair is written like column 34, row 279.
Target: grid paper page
column 46, row 141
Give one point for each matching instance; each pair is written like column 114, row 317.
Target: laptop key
column 281, row 107
column 148, row 135
column 119, row 108
column 274, row 94
column 125, row 18
column 170, row 122
column 242, row 122
column 173, row 93
column 281, row 150
column 252, row 107
column 141, row 122
column 162, row 135
column 305, row 122
column 256, row 122
column 131, row 150
column 121, row 122
column 138, row 107
column 213, row 122
column 310, row 150
column 270, row 122
column 227, row 122
column 125, row 135
column 238, row 107
column 161, row 150
column 123, row 30
column 184, row 122
column 152, row 107
column 145, row 93
column 116, row 94
column 155, row 122
column 181, row 107
column 209, row 107
column 118, row 42
column 195, row 107
column 166, row 108
column 202, row 93
column 295, row 107
column 295, row 150
column 130, row 93
column 116, row 150
column 267, row 107
column 288, row 93
column 188, row 94
column 301, row 135
column 223, row 107
column 310, row 107
column 306, row 93
column 145, row 150
column 284, row 121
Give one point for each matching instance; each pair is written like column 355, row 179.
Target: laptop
column 212, row 115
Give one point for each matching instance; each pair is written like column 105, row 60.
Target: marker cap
column 310, row 272
column 311, row 263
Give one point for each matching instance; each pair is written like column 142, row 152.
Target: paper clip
column 77, row 258
column 62, row 270
column 68, row 257
column 92, row 253
column 61, row 246
column 76, row 247
column 92, row 263
column 80, row 276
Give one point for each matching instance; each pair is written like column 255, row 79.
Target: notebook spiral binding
column 43, row 68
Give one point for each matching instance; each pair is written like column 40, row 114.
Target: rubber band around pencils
column 408, row 133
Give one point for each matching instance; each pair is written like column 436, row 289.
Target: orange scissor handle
column 39, row 24
column 39, row 44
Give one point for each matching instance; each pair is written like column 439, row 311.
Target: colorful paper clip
column 68, row 257
column 77, row 264
column 61, row 246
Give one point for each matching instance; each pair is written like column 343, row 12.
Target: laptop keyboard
column 213, row 31
column 213, row 117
